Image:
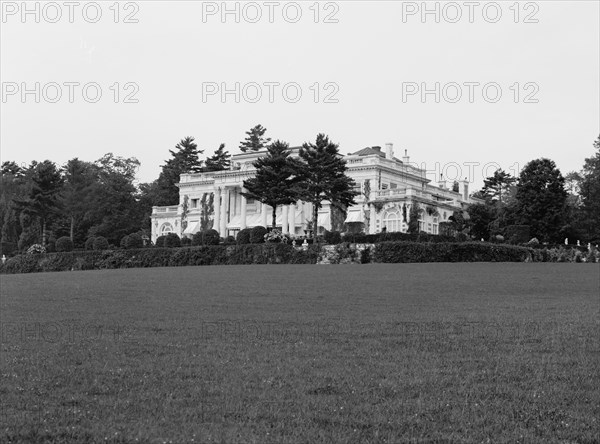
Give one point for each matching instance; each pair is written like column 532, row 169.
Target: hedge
column 399, row 252
column 161, row 257
column 362, row 238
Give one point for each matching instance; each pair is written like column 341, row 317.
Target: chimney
column 442, row 182
column 389, row 151
column 465, row 190
column 406, row 159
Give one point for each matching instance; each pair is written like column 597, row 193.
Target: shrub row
column 161, row 257
column 362, row 238
column 399, row 252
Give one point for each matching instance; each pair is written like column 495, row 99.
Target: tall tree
column 219, row 161
column 497, row 185
column 255, row 140
column 590, row 194
column 43, row 199
column 80, row 181
column 541, row 199
column 324, row 177
column 184, row 159
column 413, row 217
column 276, row 179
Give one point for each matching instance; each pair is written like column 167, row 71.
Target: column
column 263, row 215
column 284, row 219
column 243, row 211
column 224, row 208
column 217, row 206
column 292, row 219
column 373, row 215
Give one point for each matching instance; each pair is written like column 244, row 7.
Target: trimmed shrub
column 186, row 241
column 243, row 236
column 160, row 241
column 172, row 241
column 51, row 245
column 132, row 241
column 229, row 240
column 64, row 244
column 89, row 243
column 207, row 237
column 332, row 237
column 100, row 243
column 517, row 234
column 257, row 235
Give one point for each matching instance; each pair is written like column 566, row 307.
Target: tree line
column 553, row 206
column 81, row 199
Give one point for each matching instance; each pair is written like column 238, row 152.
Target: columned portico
column 292, row 219
column 224, row 208
column 243, row 211
column 284, row 219
column 263, row 215
column 217, row 206
column 372, row 219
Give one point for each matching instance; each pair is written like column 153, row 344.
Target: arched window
column 393, row 221
column 165, row 229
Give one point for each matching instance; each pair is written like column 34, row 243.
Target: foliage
column 243, row 236
column 332, row 237
column 131, row 241
column 496, row 186
column 184, row 159
column 89, row 243
column 36, row 249
column 100, row 243
column 398, row 252
column 481, row 218
column 186, row 242
column 219, row 161
column 541, row 199
column 413, row 218
column 276, row 179
column 590, row 194
column 257, row 235
column 207, row 237
column 517, row 234
column 172, row 241
column 160, row 241
column 275, row 237
column 229, row 240
column 323, row 177
column 64, row 244
column 255, row 140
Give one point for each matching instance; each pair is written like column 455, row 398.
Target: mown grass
column 472, row 352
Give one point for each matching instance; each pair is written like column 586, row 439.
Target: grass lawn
column 471, row 352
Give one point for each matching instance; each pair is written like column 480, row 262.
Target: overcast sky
column 370, row 60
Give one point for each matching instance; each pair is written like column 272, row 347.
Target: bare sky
column 369, row 59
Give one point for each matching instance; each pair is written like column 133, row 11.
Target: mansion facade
column 388, row 188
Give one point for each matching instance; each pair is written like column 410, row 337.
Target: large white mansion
column 388, row 187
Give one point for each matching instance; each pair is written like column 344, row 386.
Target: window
column 384, row 186
column 436, row 227
column 195, row 203
column 393, row 221
column 250, row 201
column 165, row 229
column 393, row 186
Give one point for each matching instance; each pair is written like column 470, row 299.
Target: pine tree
column 255, row 140
column 324, row 177
column 185, row 159
column 498, row 185
column 218, row 161
column 276, row 179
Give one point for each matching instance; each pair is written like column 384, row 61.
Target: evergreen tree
column 255, row 140
column 541, row 199
column 218, row 161
column 497, row 185
column 185, row 159
column 323, row 172
column 43, row 199
column 276, row 178
column 590, row 194
column 80, row 181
